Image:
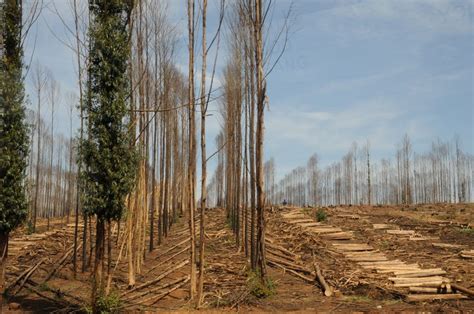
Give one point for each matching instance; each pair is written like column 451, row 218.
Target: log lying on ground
column 380, row 263
column 419, row 282
column 169, row 258
column 281, row 249
column 305, row 278
column 387, row 270
column 151, row 282
column 24, row 276
column 383, row 226
column 421, row 238
column 278, row 254
column 161, row 296
column 428, row 290
column 421, row 272
column 401, row 232
column 374, row 258
column 362, row 253
column 462, row 289
column 448, row 246
column 467, row 254
column 338, row 236
column 297, row 221
column 328, row 229
column 290, row 265
column 173, row 247
column 417, row 279
column 152, row 291
column 429, row 297
column 327, row 289
column 59, row 264
column 353, row 247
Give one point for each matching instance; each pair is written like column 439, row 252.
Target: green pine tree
column 109, row 159
column 13, row 128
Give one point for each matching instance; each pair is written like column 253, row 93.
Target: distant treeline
column 444, row 174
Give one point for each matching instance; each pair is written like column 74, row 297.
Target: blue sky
column 353, row 70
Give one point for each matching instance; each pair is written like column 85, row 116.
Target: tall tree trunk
column 203, row 157
column 261, row 262
column 192, row 147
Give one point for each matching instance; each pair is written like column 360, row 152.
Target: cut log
column 362, row 253
column 289, row 264
column 161, row 287
column 435, row 283
column 392, row 262
column 429, row 297
column 374, row 258
column 172, row 248
column 297, row 221
column 462, row 289
column 305, row 278
column 417, row 279
column 151, row 282
column 353, row 247
column 401, row 232
column 382, row 270
column 421, row 238
column 324, row 230
column 383, row 226
column 309, row 224
column 327, row 289
column 421, row 273
column 282, row 249
column 348, row 216
column 338, row 236
column 448, row 246
column 169, row 258
column 467, row 254
column 428, row 290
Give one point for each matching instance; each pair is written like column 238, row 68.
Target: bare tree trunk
column 200, row 294
column 3, row 264
column 192, row 147
column 260, row 252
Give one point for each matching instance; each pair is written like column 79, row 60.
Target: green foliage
column 108, row 151
column 258, row 288
column 106, row 304
column 467, row 230
column 321, row 215
column 13, row 128
column 109, row 304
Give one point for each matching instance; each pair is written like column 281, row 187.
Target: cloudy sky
column 353, row 70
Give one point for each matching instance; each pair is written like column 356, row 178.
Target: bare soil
column 227, row 286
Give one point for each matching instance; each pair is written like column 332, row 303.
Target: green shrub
column 258, row 288
column 107, row 304
column 321, row 215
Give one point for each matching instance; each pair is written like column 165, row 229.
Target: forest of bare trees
column 442, row 175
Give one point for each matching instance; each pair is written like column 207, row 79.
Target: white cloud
column 359, row 18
